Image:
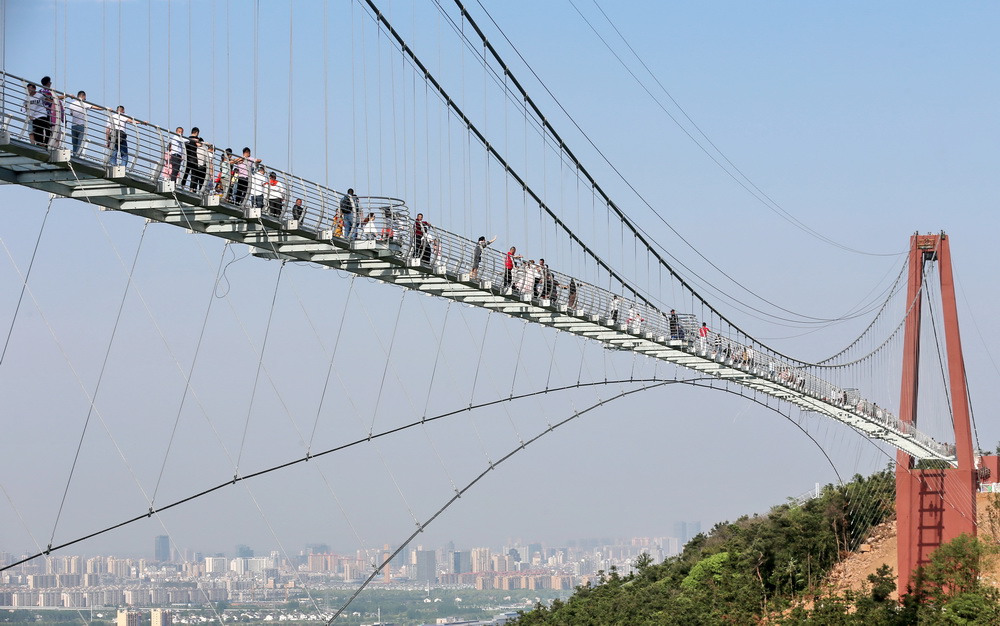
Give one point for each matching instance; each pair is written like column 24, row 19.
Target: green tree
column 954, row 569
column 749, row 570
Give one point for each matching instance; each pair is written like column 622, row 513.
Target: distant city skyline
column 251, row 579
column 683, row 531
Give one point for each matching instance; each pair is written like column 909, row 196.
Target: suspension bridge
column 394, row 249
column 106, row 158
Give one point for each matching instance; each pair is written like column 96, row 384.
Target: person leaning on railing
column 78, row 121
column 388, row 227
column 477, row 254
column 368, row 228
column 226, row 179
column 508, row 264
column 117, row 138
column 241, row 167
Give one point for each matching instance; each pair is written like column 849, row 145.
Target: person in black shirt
column 191, row 154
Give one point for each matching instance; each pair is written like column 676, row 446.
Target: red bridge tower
column 933, row 506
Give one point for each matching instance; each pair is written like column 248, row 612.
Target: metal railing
column 241, row 181
column 144, row 152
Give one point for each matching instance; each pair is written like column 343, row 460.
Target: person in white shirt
column 524, row 277
column 176, row 153
column 78, row 121
column 258, row 182
column 368, row 228
column 204, row 165
column 275, row 192
column 34, row 110
column 117, row 139
column 244, row 166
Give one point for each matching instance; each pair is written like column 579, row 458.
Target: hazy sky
column 866, row 122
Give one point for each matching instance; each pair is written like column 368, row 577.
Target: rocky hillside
column 880, row 549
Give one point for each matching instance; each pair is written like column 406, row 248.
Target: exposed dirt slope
column 853, row 572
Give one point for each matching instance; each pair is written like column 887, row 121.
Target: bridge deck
column 389, row 253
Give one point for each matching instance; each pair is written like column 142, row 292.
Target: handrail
column 386, row 221
column 147, row 158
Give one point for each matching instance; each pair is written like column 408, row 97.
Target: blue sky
column 864, row 122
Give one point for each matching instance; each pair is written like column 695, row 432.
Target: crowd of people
column 522, row 277
column 528, row 278
column 49, row 116
column 244, row 181
column 189, row 162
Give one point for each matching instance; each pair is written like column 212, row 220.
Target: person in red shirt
column 508, row 266
column 420, row 227
column 703, row 336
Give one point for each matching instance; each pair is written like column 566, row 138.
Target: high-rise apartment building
column 686, row 531
column 97, row 565
column 128, row 618
column 161, row 548
column 481, row 561
column 461, row 562
column 160, row 617
column 426, row 566
column 122, row 568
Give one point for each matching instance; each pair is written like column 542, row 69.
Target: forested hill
column 770, row 568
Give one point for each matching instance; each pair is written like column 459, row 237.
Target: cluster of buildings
column 190, row 579
column 131, row 617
